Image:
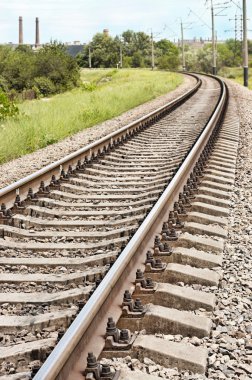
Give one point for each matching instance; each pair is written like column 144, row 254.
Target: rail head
column 59, row 356
column 21, row 187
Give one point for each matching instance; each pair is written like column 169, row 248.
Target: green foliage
column 49, row 70
column 104, row 52
column 168, row 55
column 250, row 46
column 7, row 108
column 88, row 86
column 234, row 73
column 136, row 50
column 137, row 59
column 3, row 84
column 54, row 63
column 229, row 54
column 19, row 68
column 44, row 85
column 44, row 122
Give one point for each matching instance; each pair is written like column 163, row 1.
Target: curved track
column 56, row 246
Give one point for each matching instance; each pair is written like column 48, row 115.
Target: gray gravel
column 23, row 166
column 230, row 346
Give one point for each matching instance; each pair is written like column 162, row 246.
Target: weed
column 41, row 122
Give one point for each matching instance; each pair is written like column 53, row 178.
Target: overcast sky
column 69, row 20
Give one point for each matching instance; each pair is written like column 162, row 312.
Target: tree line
column 104, row 51
column 229, row 54
column 136, row 47
column 29, row 74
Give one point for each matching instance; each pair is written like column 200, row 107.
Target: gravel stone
column 230, row 344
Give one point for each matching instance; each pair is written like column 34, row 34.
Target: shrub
column 44, row 85
column 88, row 86
column 7, row 108
column 3, row 84
column 231, row 76
column 29, row 94
column 50, row 69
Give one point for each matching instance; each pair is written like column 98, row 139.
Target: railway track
column 82, row 227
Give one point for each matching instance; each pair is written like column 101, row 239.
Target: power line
column 182, row 28
column 237, row 4
column 204, row 23
column 213, row 7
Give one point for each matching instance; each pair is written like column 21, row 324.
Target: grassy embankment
column 236, row 73
column 105, row 94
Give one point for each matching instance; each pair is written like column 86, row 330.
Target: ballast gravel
column 230, row 344
column 23, row 166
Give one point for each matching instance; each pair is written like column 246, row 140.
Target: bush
column 50, row 70
column 53, row 63
column 168, row 62
column 7, row 108
column 88, row 86
column 44, row 85
column 3, row 84
column 28, row 95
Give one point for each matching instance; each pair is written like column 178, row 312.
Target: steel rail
column 8, row 194
column 87, row 316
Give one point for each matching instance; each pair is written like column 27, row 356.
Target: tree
column 53, row 62
column 104, row 50
column 48, row 70
column 18, row 68
column 236, row 49
column 204, row 59
column 250, row 46
column 137, row 59
column 7, row 108
column 168, row 55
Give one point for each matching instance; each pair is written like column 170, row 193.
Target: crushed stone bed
column 23, row 166
column 230, row 344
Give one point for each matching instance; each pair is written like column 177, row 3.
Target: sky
column 71, row 20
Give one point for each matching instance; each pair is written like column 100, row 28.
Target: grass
column 103, row 95
column 236, row 74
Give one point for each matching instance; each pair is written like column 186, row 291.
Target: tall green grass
column 235, row 74
column 104, row 94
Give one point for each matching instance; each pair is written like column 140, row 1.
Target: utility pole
column 213, row 41
column 245, row 44
column 236, row 29
column 236, row 35
column 89, row 58
column 152, row 52
column 183, row 47
column 121, row 54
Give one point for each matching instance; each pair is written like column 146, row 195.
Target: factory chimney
column 20, row 35
column 37, row 41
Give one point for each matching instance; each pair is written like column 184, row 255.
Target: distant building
column 197, row 43
column 74, row 48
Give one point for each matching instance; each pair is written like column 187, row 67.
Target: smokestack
column 20, row 35
column 37, row 41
